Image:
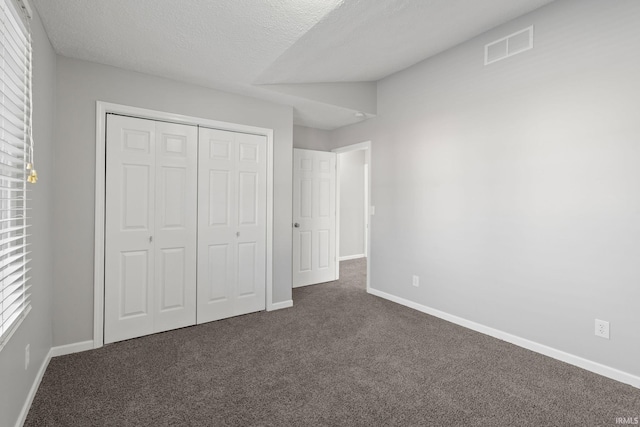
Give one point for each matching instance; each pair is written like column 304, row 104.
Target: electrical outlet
column 26, row 356
column 416, row 281
column 602, row 328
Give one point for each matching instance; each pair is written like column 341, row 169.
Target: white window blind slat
column 14, row 313
column 15, row 86
column 13, row 297
column 17, row 218
column 12, row 249
column 18, row 30
column 5, row 188
column 12, row 269
column 12, row 81
column 13, row 289
column 7, row 149
column 13, row 92
column 16, row 278
column 11, row 168
column 8, row 240
column 10, row 46
column 8, row 139
column 12, row 259
column 14, row 199
column 16, row 130
column 11, row 144
column 14, row 50
column 16, row 303
column 19, row 228
column 12, row 59
column 9, row 290
column 10, row 94
column 15, row 107
column 10, row 160
column 10, row 314
column 11, row 179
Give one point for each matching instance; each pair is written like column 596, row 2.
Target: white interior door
column 150, row 227
column 232, row 224
column 314, row 217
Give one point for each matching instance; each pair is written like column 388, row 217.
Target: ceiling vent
column 508, row 46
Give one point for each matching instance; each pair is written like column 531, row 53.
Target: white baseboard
column 53, row 352
column 572, row 359
column 33, row 390
column 72, row 348
column 280, row 305
column 348, row 257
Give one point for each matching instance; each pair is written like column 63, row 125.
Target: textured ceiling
column 247, row 46
column 369, row 40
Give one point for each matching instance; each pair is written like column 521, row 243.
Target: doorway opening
column 353, row 204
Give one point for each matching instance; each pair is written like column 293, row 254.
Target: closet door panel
column 217, row 186
column 172, row 279
column 136, row 179
column 232, row 224
column 133, row 284
column 129, row 224
column 176, row 225
column 219, row 264
column 248, row 199
column 150, row 227
column 219, row 197
column 251, row 200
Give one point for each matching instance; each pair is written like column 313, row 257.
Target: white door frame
column 366, row 146
column 102, row 109
column 366, row 210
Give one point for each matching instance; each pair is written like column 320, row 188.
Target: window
column 16, row 152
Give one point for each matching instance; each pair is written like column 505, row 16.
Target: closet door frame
column 104, row 108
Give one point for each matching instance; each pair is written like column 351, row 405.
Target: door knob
column 296, row 225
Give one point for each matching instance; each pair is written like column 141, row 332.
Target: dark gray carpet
column 338, row 357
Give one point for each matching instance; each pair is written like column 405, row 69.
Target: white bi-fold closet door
column 232, row 201
column 150, row 227
column 184, row 226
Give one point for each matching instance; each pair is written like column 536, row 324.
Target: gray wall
column 36, row 329
column 79, row 85
column 351, row 176
column 311, row 138
column 513, row 190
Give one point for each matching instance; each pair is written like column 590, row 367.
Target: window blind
column 15, row 159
